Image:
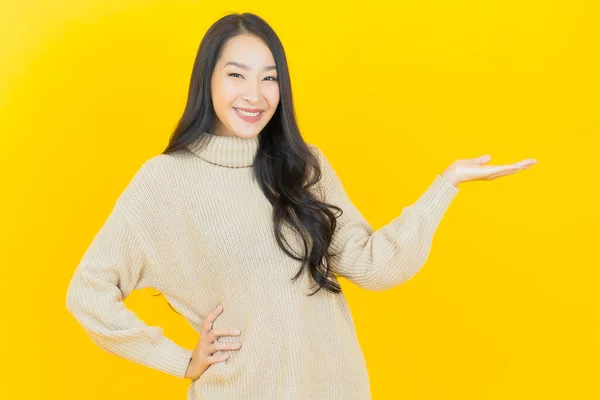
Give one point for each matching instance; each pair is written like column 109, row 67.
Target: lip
column 249, row 119
column 249, row 109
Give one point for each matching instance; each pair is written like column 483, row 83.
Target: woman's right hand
column 203, row 357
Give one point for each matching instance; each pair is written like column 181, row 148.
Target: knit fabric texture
column 196, row 226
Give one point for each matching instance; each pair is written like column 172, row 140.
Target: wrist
column 188, row 371
column 449, row 177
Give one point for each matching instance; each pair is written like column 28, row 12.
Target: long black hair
column 285, row 167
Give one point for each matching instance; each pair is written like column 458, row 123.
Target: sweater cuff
column 171, row 358
column 434, row 202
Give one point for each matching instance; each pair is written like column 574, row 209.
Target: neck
column 226, row 151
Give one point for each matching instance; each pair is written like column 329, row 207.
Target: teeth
column 248, row 114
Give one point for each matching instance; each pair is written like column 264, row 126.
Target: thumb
column 483, row 159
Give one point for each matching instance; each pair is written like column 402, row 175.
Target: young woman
column 236, row 223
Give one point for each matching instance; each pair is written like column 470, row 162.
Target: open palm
column 471, row 169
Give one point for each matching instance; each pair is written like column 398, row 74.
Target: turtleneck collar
column 226, row 151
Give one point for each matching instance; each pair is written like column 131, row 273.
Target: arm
column 385, row 258
column 113, row 265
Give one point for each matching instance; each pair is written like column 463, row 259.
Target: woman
column 240, row 212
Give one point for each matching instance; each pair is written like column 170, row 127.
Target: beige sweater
column 196, row 227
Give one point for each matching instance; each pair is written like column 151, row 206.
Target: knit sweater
column 197, row 227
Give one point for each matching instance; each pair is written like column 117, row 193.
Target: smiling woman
column 240, row 211
column 245, row 94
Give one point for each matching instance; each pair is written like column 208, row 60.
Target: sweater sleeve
column 113, row 265
column 385, row 258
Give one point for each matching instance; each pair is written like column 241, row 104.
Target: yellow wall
column 393, row 91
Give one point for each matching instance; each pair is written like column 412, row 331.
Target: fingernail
column 220, row 306
column 237, row 331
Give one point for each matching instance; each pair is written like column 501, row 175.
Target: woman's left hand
column 472, row 169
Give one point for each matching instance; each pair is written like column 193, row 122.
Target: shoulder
column 323, row 162
column 319, row 155
column 152, row 173
column 314, row 149
column 151, row 182
column 329, row 179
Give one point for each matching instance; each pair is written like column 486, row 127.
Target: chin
column 250, row 132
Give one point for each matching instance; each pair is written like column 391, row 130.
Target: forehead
column 247, row 49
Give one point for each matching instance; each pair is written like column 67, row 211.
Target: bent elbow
column 70, row 302
column 75, row 298
column 392, row 275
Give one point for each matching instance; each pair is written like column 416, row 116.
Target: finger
column 225, row 331
column 210, row 318
column 217, row 358
column 216, row 346
column 502, row 173
column 489, row 170
column 506, row 168
column 214, row 334
column 483, row 159
column 528, row 162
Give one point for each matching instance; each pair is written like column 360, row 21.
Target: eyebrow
column 244, row 66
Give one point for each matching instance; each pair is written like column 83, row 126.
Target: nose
column 253, row 93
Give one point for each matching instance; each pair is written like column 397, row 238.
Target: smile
column 249, row 116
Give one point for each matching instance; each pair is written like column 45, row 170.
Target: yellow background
column 393, row 91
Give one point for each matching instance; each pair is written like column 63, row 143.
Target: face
column 244, row 87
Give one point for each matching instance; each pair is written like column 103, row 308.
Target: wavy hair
column 285, row 167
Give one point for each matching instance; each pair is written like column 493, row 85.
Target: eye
column 236, row 74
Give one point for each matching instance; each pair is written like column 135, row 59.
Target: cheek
column 272, row 97
column 224, row 94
